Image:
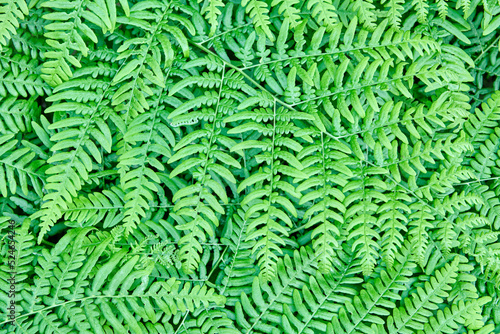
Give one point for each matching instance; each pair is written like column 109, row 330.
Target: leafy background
column 284, row 166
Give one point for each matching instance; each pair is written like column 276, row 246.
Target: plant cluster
column 250, row 166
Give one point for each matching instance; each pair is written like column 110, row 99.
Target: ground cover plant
column 253, row 166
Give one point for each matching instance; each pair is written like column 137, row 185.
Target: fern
column 289, row 10
column 284, row 166
column 275, row 310
column 213, row 11
column 394, row 12
column 258, row 11
column 328, row 209
column 10, row 13
column 69, row 34
column 74, row 133
column 237, row 274
column 19, row 168
column 323, row 12
column 66, row 283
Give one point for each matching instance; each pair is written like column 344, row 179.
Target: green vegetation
column 253, row 166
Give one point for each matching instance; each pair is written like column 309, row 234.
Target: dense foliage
column 263, row 166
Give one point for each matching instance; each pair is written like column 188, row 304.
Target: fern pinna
column 253, row 166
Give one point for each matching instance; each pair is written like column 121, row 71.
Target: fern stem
column 484, row 51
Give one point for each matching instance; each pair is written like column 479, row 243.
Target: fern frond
column 419, row 306
column 376, row 299
column 393, row 223
column 486, row 160
column 145, row 56
column 68, row 32
column 212, row 11
column 449, row 319
column 271, row 302
column 289, row 10
column 491, row 203
column 196, row 206
column 238, row 273
column 21, row 76
column 17, row 115
column 19, row 168
column 30, row 45
column 258, row 11
column 365, row 9
column 395, row 12
column 104, row 207
column 422, row 9
column 17, row 255
column 72, row 168
column 326, row 210
column 71, row 283
column 209, row 321
column 267, row 202
column 324, row 12
column 147, row 140
column 364, row 195
column 254, row 166
column 10, row 14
